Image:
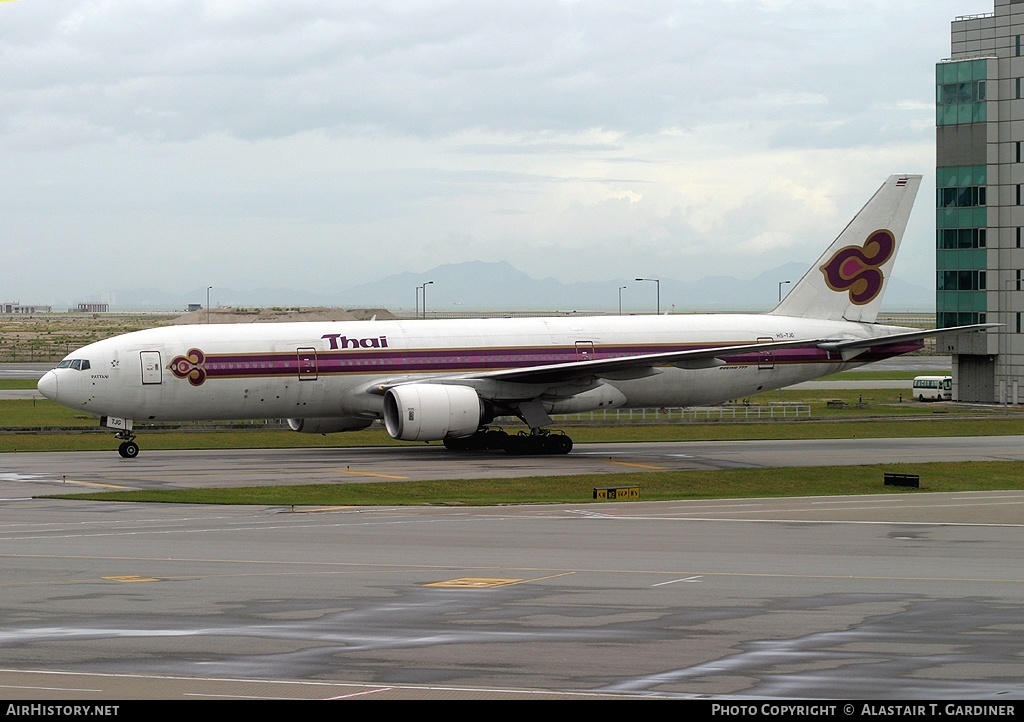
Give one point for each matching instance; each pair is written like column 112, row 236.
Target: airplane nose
column 48, row 385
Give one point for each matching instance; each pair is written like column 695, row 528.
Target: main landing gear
column 128, row 448
column 538, row 441
column 534, row 443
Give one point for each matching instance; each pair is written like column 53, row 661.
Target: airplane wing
column 630, row 367
column 853, row 347
column 625, row 367
column 523, row 387
column 639, row 366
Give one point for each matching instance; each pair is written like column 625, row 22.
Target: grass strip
column 95, row 440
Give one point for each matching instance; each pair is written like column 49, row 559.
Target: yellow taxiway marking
column 639, row 466
column 487, row 582
column 474, row 583
column 131, row 578
column 370, row 473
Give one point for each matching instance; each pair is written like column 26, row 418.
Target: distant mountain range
column 481, row 286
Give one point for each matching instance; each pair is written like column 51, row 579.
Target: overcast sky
column 177, row 144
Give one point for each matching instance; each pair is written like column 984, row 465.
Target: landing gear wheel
column 128, row 449
column 556, row 444
column 538, row 444
column 482, row 440
column 495, row 439
column 517, row 445
column 457, row 444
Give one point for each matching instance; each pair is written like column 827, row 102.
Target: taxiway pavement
column 896, row 596
column 27, row 474
column 889, row 597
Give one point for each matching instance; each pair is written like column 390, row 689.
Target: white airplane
column 449, row 379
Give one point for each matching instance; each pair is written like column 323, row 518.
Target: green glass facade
column 960, row 92
column 961, row 221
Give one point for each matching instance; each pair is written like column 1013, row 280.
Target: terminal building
column 93, row 307
column 979, row 184
column 18, row 307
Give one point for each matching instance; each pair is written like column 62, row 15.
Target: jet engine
column 430, row 412
column 328, row 425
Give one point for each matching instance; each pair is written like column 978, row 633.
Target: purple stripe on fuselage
column 813, row 354
column 393, row 360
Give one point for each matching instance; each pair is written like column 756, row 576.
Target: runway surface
column 896, row 596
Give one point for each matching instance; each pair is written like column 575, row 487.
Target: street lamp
column 657, row 281
column 208, row 289
column 781, row 284
column 418, row 289
column 621, row 289
column 423, row 288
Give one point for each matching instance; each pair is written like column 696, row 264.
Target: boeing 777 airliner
column 449, row 379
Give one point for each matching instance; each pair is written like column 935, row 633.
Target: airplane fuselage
column 334, row 369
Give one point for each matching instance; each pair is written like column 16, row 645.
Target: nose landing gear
column 128, row 448
column 123, row 431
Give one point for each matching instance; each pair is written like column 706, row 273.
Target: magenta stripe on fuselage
column 391, row 361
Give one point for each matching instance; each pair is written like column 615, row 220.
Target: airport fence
column 608, row 417
column 36, row 352
column 683, row 414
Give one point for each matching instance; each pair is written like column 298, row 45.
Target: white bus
column 933, row 388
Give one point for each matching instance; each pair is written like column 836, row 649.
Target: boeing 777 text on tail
column 447, row 380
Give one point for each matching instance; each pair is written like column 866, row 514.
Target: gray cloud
column 166, row 142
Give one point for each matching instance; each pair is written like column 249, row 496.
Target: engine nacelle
column 430, row 412
column 328, row 425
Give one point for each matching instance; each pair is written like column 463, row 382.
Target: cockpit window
column 79, row 364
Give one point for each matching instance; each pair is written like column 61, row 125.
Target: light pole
column 658, row 282
column 208, row 289
column 621, row 289
column 424, row 289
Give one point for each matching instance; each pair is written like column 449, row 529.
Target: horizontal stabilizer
column 853, row 347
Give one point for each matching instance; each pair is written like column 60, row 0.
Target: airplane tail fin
column 848, row 281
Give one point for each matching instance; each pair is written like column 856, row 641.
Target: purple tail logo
column 857, row 269
column 191, row 366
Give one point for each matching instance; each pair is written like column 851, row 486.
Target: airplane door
column 584, row 350
column 152, row 370
column 307, row 364
column 766, row 359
